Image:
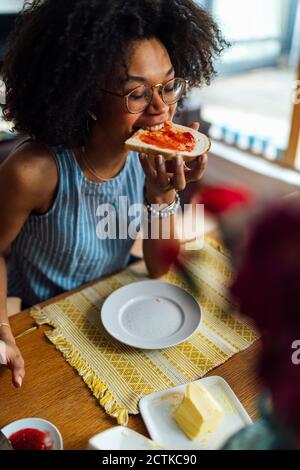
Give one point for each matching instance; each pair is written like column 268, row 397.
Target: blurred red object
column 220, row 199
column 267, row 288
column 268, row 281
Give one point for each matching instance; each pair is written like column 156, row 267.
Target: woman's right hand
column 11, row 356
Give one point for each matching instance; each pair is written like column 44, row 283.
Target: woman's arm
column 9, row 352
column 153, row 248
column 23, row 189
column 157, row 180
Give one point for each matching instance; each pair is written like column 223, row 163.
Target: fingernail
column 3, row 359
column 179, row 161
column 160, row 159
column 19, row 381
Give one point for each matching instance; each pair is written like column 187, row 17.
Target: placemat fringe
column 72, row 356
column 40, row 317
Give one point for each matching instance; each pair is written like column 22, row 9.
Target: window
column 8, row 11
column 250, row 104
column 10, row 6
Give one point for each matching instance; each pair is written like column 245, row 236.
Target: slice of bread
column 202, row 144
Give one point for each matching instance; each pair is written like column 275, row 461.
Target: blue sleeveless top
column 61, row 250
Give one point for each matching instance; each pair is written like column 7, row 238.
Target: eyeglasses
column 140, row 98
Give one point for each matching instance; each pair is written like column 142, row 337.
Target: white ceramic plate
column 36, row 423
column 150, row 315
column 121, row 438
column 157, row 412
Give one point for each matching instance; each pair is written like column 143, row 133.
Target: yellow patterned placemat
column 118, row 375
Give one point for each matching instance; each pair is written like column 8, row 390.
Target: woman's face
column 149, row 63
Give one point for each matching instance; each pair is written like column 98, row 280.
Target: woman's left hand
column 161, row 181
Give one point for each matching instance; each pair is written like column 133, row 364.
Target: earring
column 93, row 116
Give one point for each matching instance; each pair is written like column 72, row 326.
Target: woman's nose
column 157, row 104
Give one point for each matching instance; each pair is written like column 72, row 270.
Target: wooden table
column 53, row 390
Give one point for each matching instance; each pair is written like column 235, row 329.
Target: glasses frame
column 159, row 87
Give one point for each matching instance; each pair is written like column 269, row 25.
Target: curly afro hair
column 61, row 54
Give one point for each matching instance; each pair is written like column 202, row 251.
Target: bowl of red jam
column 33, row 434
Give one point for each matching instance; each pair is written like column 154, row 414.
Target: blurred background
column 8, row 11
column 250, row 102
column 251, row 110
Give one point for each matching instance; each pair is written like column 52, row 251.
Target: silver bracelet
column 167, row 211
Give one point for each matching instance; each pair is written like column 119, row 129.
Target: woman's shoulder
column 34, row 161
column 32, row 170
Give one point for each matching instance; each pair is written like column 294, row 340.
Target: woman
column 81, row 76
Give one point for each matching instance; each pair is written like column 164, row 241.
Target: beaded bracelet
column 163, row 213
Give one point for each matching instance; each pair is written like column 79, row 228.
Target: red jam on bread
column 169, row 138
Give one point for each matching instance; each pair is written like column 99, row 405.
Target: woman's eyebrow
column 132, row 78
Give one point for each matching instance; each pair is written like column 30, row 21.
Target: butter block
column 199, row 413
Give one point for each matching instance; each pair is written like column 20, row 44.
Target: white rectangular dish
column 158, row 408
column 120, row 438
